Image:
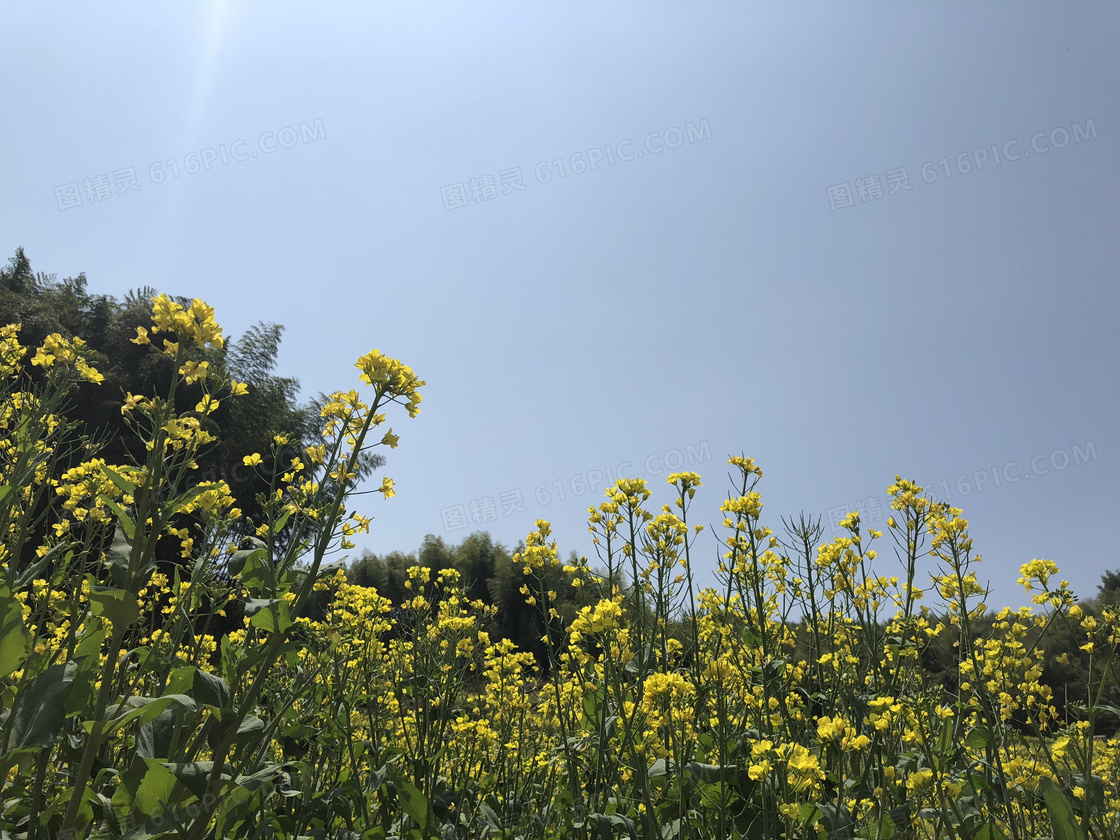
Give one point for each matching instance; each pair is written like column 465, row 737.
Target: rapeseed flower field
column 205, row 698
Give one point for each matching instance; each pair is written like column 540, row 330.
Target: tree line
column 42, row 304
column 488, row 570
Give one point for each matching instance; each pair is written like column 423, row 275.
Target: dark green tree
column 1108, row 593
column 43, row 305
column 488, row 573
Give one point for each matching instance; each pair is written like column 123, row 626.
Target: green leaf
column 712, row 773
column 229, row 659
column 92, row 640
column 237, row 561
column 123, row 484
column 751, row 637
column 491, row 816
column 210, row 690
column 978, row 738
column 1112, row 710
column 15, row 641
column 592, row 705
column 901, row 817
column 154, row 739
column 886, row 829
column 182, row 679
column 175, row 505
column 148, row 831
column 145, row 788
column 837, row 819
column 255, row 605
column 193, row 775
column 257, row 575
column 80, row 695
column 261, row 777
column 271, row 615
column 279, row 524
column 34, row 571
column 117, row 557
column 606, row 823
column 39, row 712
column 990, row 831
column 250, row 729
column 1094, row 786
column 1062, row 818
column 117, row 605
column 413, row 802
column 87, row 658
column 146, row 709
column 90, row 803
column 945, row 748
column 123, row 519
column 809, row 814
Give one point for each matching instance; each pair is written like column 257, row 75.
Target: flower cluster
column 195, row 324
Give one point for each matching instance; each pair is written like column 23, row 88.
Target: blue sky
column 752, row 274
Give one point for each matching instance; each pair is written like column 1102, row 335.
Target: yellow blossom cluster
column 194, row 323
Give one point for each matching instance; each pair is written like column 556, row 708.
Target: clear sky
column 746, row 268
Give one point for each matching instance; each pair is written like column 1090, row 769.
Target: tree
column 488, row 573
column 43, row 305
column 1108, row 593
